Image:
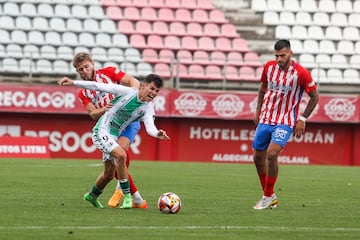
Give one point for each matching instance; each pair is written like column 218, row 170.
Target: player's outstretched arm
column 65, row 82
column 162, row 135
column 149, row 123
column 97, row 86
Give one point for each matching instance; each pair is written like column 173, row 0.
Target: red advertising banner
column 24, row 147
column 39, row 98
column 68, row 136
column 335, row 108
column 231, row 141
column 203, row 126
column 224, row 105
column 173, row 103
column 227, row 105
column 202, row 140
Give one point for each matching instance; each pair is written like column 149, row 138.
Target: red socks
column 133, row 188
column 262, row 177
column 269, row 186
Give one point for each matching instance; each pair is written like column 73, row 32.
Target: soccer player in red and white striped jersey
column 283, row 82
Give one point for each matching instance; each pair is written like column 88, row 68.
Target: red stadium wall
column 203, row 140
column 198, row 134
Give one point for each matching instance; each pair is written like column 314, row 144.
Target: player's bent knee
column 121, row 160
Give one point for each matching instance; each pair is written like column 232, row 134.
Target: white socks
column 137, row 199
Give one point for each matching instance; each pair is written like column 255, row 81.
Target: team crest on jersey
column 141, row 112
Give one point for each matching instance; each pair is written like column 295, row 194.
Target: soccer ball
column 169, row 203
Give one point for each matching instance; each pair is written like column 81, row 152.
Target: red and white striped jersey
column 284, row 92
column 110, row 75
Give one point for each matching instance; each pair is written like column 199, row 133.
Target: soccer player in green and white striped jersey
column 129, row 105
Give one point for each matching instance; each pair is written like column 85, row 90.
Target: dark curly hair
column 156, row 79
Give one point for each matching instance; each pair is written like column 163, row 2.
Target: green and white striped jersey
column 127, row 108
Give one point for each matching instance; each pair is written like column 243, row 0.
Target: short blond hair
column 81, row 57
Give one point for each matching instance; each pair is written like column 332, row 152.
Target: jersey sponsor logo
column 278, row 87
column 115, row 125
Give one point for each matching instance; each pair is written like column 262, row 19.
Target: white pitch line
column 267, row 228
column 95, row 165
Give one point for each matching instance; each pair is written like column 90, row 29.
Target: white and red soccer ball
column 169, row 203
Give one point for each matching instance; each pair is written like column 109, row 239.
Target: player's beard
column 285, row 64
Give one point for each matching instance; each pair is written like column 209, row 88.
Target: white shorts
column 106, row 142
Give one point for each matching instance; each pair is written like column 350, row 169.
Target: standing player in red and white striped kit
column 283, row 82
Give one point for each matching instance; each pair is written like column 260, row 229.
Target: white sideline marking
column 95, row 165
column 267, row 228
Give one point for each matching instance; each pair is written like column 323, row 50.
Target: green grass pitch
column 42, row 199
